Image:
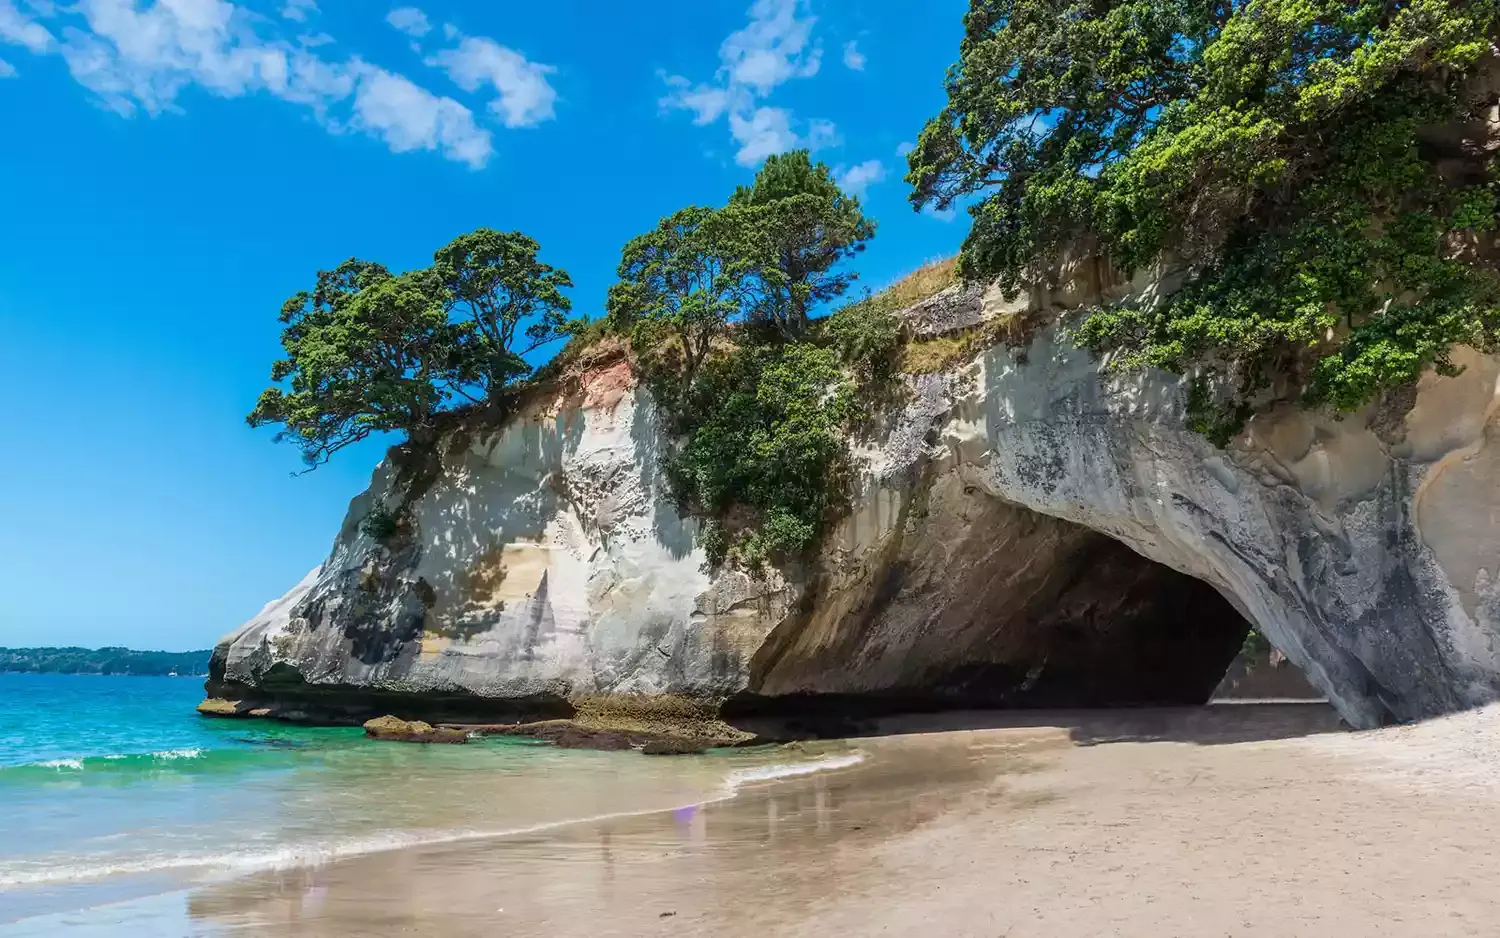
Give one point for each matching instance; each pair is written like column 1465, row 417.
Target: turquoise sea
column 114, row 789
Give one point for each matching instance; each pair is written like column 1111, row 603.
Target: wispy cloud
column 7, row 70
column 853, row 58
column 140, row 59
column 761, row 133
column 905, row 147
column 525, row 99
column 19, row 29
column 409, row 20
column 859, row 178
column 774, row 47
column 299, row 10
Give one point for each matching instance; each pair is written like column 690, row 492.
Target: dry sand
column 1231, row 821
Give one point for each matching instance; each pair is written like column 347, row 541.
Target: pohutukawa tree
column 1314, row 163
column 371, row 352
column 688, row 278
column 508, row 301
column 808, row 226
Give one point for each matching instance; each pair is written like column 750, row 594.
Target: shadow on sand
column 1212, row 724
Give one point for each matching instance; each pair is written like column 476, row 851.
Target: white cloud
column 138, row 56
column 7, row 70
column 299, row 10
column 764, row 131
column 768, row 130
column 853, row 58
column 904, row 147
column 19, row 29
column 941, row 214
column 409, row 20
column 144, row 57
column 313, row 40
column 774, row 47
column 857, row 179
column 409, row 117
column 526, row 98
column 707, row 102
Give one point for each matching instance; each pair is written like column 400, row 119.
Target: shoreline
column 1244, row 820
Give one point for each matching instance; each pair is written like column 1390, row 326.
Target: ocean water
column 114, row 789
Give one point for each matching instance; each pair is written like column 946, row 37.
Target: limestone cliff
column 1030, row 529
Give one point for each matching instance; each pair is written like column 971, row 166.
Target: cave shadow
column 1215, row 723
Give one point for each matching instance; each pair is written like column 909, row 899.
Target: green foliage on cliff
column 1306, row 159
column 718, row 302
column 368, row 351
column 103, row 661
column 763, row 437
column 380, row 524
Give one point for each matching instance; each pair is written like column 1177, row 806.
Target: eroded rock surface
column 393, row 729
column 1031, row 529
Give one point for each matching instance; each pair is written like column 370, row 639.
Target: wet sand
column 1233, row 821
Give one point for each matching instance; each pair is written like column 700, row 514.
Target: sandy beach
column 1227, row 821
column 1232, row 820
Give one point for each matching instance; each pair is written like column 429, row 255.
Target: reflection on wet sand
column 641, row 875
column 1243, row 821
column 756, row 864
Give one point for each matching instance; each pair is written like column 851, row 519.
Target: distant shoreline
column 108, row 661
column 115, row 674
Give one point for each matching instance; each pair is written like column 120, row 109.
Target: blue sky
column 172, row 170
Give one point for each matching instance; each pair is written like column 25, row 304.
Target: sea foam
column 238, row 863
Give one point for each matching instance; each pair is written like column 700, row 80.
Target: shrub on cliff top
column 764, row 440
column 717, row 302
column 1301, row 156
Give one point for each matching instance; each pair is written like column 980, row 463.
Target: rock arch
column 1363, row 548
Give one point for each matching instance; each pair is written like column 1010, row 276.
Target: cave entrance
column 981, row 603
column 1260, row 672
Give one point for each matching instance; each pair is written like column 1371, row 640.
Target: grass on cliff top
column 926, row 281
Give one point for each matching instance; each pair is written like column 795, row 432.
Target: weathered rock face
column 1032, row 529
column 950, row 597
column 543, row 563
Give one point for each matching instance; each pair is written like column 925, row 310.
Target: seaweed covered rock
column 412, row 731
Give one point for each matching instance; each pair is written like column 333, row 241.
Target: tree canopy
column 690, row 276
column 368, row 351
column 1306, row 159
column 807, row 226
column 496, row 286
column 760, row 413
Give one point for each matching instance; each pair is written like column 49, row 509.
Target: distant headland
column 104, row 661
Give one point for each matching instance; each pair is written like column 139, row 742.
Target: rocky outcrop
column 393, row 729
column 1031, row 529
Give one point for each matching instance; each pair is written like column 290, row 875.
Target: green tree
column 807, row 225
column 509, row 302
column 689, row 276
column 366, row 352
column 766, row 443
column 1306, row 159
